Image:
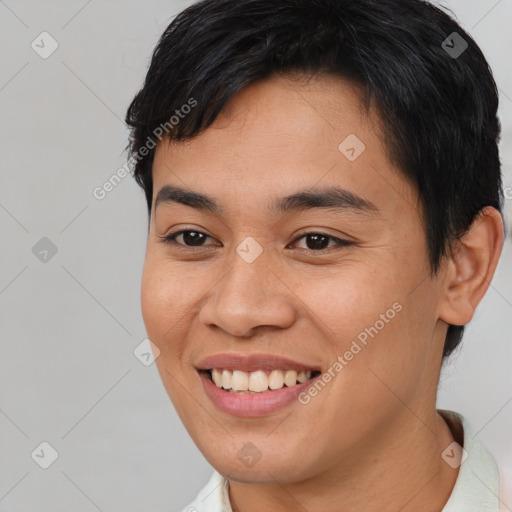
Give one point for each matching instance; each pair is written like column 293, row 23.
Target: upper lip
column 252, row 362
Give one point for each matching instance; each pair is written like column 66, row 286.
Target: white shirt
column 476, row 488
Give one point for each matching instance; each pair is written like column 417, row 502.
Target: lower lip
column 259, row 404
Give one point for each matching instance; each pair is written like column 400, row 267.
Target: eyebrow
column 331, row 198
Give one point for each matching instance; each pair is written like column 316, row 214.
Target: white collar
column 477, row 485
column 476, row 488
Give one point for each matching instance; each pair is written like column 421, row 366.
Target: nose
column 248, row 297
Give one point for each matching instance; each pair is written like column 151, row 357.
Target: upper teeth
column 257, row 381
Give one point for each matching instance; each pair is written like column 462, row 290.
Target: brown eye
column 317, row 242
column 191, row 238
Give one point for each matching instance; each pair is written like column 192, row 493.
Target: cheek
column 385, row 358
column 369, row 319
column 154, row 299
column 164, row 309
column 164, row 303
column 344, row 303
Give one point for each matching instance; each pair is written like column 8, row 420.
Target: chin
column 282, row 467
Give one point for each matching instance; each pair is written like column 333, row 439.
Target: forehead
column 280, row 135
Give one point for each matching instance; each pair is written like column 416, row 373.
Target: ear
column 471, row 267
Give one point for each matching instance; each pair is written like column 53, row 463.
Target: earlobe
column 471, row 267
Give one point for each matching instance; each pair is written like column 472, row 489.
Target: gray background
column 69, row 325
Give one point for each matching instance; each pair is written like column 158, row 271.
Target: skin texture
column 371, row 439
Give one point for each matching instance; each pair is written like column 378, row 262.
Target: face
column 332, row 283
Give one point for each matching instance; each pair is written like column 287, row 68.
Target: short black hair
column 434, row 91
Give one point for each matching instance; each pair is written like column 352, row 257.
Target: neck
column 402, row 469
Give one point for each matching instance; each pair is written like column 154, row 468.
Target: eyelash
column 171, row 239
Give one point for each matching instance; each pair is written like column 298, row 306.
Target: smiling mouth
column 259, row 381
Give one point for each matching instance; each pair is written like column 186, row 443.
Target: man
column 324, row 197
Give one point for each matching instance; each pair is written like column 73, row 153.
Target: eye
column 192, row 238
column 316, row 242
